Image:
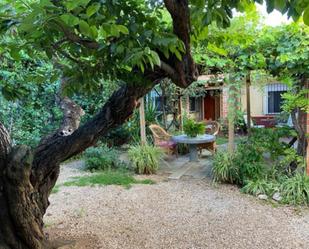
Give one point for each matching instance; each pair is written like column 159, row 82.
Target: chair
column 162, row 139
column 212, row 128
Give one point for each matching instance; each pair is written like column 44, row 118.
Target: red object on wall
column 266, row 120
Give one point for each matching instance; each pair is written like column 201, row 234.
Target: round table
column 193, row 142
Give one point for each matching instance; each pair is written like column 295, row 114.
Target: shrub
column 224, row 170
column 193, row 128
column 259, row 186
column 249, row 160
column 145, row 158
column 267, row 140
column 245, row 164
column 102, row 158
column 295, row 190
column 248, row 168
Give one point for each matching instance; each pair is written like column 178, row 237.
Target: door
column 209, row 107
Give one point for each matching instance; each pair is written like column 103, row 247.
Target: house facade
column 265, row 102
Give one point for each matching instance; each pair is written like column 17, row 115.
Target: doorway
column 211, row 106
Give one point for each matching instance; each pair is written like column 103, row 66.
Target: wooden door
column 209, row 108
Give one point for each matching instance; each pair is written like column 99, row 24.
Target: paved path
column 180, row 167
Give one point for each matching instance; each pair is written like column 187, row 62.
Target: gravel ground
column 182, row 214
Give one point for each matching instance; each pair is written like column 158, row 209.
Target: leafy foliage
column 193, row 128
column 145, row 158
column 295, row 190
column 224, row 170
column 260, row 186
column 102, row 158
column 256, row 174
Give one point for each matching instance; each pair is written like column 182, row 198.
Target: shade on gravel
column 182, row 214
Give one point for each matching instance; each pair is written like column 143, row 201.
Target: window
column 192, row 104
column 275, row 101
column 274, row 98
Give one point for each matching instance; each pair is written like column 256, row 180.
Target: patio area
column 180, row 167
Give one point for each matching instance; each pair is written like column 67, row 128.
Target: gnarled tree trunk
column 27, row 177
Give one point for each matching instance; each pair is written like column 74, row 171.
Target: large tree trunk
column 27, row 177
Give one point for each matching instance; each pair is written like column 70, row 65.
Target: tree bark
column 231, row 115
column 248, row 83
column 299, row 122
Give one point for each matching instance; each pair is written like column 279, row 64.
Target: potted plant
column 193, row 128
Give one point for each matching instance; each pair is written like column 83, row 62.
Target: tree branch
column 72, row 112
column 186, row 68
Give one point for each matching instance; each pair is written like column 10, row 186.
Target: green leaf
column 82, row 3
column 114, row 30
column 270, row 5
column 178, row 55
column 123, row 29
column 46, row 3
column 92, row 9
column 93, row 32
column 156, row 58
column 70, row 5
column 69, row 19
column 280, row 5
column 14, row 52
column 102, row 33
column 84, row 28
column 306, row 16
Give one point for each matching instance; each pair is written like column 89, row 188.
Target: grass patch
column 221, row 140
column 224, row 140
column 107, row 178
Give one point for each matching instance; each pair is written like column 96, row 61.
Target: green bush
column 145, row 158
column 260, row 186
column 102, row 158
column 249, row 160
column 249, row 169
column 295, row 189
column 245, row 164
column 268, row 140
column 193, row 128
column 224, row 170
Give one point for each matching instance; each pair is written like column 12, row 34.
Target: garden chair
column 212, row 128
column 162, row 139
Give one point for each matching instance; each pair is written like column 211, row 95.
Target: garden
column 136, row 124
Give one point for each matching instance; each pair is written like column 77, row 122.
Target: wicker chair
column 162, row 139
column 212, row 128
